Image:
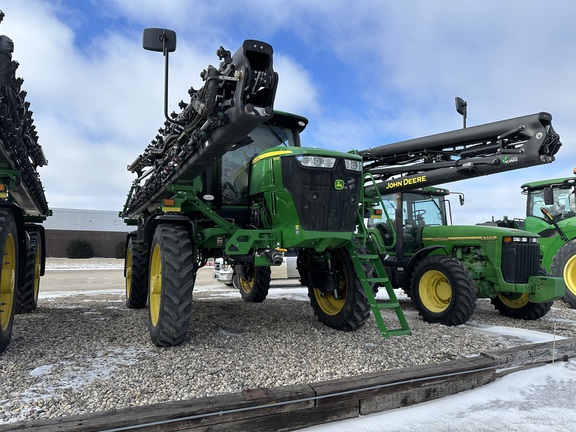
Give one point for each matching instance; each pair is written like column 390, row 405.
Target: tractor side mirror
column 164, row 41
column 159, row 40
column 462, row 108
column 548, row 196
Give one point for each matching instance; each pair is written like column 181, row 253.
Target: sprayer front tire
column 443, row 290
column 256, row 289
column 27, row 292
column 8, row 276
column 136, row 277
column 564, row 266
column 349, row 309
column 171, row 282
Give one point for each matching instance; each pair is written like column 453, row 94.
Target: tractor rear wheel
column 136, row 274
column 171, row 282
column 27, row 292
column 254, row 289
column 8, row 276
column 564, row 266
column 346, row 307
column 443, row 290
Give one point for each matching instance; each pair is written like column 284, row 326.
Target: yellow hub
column 514, row 300
column 7, row 282
column 329, row 304
column 155, row 284
column 246, row 285
column 435, row 291
column 570, row 274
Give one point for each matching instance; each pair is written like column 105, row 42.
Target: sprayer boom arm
column 466, row 153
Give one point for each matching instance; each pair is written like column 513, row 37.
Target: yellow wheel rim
column 570, row 274
column 435, row 291
column 7, row 282
column 246, row 286
column 514, row 300
column 155, row 284
column 128, row 271
column 327, row 302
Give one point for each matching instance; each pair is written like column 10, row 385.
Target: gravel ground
column 84, row 353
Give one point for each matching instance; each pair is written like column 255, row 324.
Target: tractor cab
column 549, row 202
column 409, row 212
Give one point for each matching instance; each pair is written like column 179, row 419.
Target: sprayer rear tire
column 27, row 293
column 136, row 276
column 351, row 310
column 564, row 266
column 8, row 276
column 171, row 282
column 255, row 290
column 443, row 290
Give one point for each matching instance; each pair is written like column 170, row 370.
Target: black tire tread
column 138, row 279
column 178, row 276
column 260, row 287
column 26, row 299
column 356, row 311
column 464, row 290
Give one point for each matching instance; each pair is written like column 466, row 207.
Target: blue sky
column 365, row 73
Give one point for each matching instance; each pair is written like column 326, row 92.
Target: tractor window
column 236, row 162
column 421, row 210
column 564, row 203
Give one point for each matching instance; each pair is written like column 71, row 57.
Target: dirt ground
column 81, row 280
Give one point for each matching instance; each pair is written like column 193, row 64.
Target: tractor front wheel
column 8, row 273
column 443, row 290
column 171, row 282
column 564, row 266
column 253, row 289
column 345, row 307
column 516, row 305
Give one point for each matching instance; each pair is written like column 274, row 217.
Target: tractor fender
column 174, row 219
column 422, row 253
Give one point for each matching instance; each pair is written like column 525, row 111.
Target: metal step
column 359, row 256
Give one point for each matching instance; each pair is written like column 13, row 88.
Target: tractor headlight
column 520, row 239
column 316, row 161
column 353, row 165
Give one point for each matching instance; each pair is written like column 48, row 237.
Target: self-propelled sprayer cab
column 228, row 179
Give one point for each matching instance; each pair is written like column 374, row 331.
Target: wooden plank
column 370, row 385
column 285, row 421
column 410, row 394
column 199, row 412
column 543, row 352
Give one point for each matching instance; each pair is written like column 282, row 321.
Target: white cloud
column 365, row 74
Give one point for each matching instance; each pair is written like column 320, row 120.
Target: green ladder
column 363, row 251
